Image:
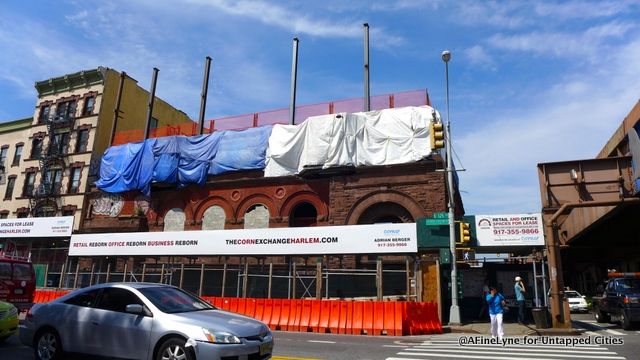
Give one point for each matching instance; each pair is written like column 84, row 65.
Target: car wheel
column 601, row 317
column 624, row 320
column 174, row 349
column 48, row 345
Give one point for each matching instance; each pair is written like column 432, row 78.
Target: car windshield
column 628, row 284
column 171, row 300
column 572, row 294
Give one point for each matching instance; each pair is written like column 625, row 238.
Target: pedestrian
column 496, row 302
column 483, row 300
column 520, row 291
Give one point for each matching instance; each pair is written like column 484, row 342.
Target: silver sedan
column 142, row 321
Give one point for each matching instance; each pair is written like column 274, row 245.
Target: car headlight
column 13, row 311
column 220, row 337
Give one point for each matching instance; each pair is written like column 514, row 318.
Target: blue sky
column 530, row 82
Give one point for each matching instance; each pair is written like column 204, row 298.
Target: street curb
column 457, row 330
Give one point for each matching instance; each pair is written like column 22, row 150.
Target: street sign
column 437, row 221
column 440, row 215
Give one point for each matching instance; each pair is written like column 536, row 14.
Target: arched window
column 385, row 212
column 213, row 218
column 256, row 217
column 303, row 214
column 174, row 220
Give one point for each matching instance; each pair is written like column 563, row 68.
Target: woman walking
column 496, row 302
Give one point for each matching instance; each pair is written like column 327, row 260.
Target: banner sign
column 36, row 227
column 510, row 230
column 351, row 239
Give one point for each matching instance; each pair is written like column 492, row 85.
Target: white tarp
column 384, row 137
column 349, row 239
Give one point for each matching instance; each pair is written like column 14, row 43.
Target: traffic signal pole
column 454, row 312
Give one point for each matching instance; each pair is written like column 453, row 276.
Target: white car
column 576, row 301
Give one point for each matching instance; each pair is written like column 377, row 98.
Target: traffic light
column 436, row 134
column 464, row 233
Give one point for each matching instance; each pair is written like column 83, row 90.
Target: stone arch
column 304, row 196
column 174, row 220
column 213, row 201
column 253, row 200
column 395, row 200
column 214, row 218
column 257, row 217
column 303, row 214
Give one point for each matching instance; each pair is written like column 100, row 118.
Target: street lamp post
column 454, row 312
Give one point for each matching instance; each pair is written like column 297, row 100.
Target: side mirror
column 584, row 296
column 135, row 309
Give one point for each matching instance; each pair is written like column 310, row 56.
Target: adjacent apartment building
column 48, row 161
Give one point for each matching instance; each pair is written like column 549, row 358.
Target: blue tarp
column 181, row 160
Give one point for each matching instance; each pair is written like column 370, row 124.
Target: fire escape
column 46, row 198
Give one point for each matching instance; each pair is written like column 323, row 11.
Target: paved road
column 308, row 346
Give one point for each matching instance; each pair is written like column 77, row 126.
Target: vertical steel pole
column 536, row 302
column 124, row 273
column 270, row 280
column 144, row 271
column 367, row 93
column 545, row 297
column 454, row 313
column 224, row 276
column 108, row 276
column 319, row 278
column 93, row 271
column 407, row 269
column 116, row 110
column 162, row 274
column 201, row 280
column 379, row 291
column 293, row 282
column 75, row 278
column 181, row 275
column 152, row 96
column 294, row 80
column 245, row 278
column 203, row 94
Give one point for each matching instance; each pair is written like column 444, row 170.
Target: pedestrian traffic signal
column 436, row 135
column 464, row 233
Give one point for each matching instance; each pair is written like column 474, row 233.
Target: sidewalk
column 510, row 329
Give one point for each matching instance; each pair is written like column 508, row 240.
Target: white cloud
column 589, row 43
column 478, row 56
column 568, row 10
column 571, row 120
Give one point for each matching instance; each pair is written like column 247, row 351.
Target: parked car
column 577, row 302
column 620, row 300
column 142, row 321
column 8, row 320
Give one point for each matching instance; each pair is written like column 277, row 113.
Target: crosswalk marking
column 613, row 332
column 434, row 348
column 594, row 351
column 512, row 352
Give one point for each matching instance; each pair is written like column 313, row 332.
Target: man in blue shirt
column 520, row 290
column 495, row 301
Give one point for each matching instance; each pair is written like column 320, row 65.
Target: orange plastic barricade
column 36, row 296
column 356, row 324
column 389, row 318
column 284, row 315
column 259, row 304
column 250, row 308
column 334, row 319
column 413, row 320
column 349, row 324
column 233, row 305
column 436, row 325
column 219, row 302
column 275, row 314
column 378, row 317
column 325, row 314
column 367, row 317
column 294, row 315
column 242, row 304
column 344, row 312
column 399, row 307
column 314, row 319
column 50, row 295
column 305, row 315
column 268, row 309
